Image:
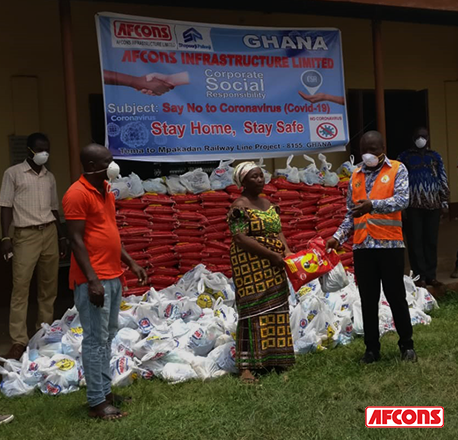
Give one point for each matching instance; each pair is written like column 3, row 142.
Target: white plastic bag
column 123, row 369
column 175, row 373
column 221, row 177
column 196, row 181
column 120, row 188
column 155, row 185
column 154, row 347
column 290, row 173
column 12, row 385
column 174, row 185
column 124, row 341
column 347, row 168
column 135, row 186
column 334, row 280
column 224, row 357
column 311, row 175
column 329, row 178
column 267, row 174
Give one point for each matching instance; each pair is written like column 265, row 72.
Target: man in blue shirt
column 429, row 195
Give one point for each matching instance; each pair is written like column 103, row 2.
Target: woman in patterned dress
column 258, row 247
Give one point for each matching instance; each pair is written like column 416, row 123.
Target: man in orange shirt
column 95, row 269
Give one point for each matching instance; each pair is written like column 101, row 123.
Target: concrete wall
column 416, row 57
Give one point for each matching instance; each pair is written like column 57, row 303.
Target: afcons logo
column 404, row 417
column 191, row 35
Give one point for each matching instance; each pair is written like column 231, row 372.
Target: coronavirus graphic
column 113, row 129
column 160, row 140
column 135, row 134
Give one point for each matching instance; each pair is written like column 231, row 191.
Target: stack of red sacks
column 169, row 235
column 215, row 206
column 191, row 231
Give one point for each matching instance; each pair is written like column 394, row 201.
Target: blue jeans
column 100, row 325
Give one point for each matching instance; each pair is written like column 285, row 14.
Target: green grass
column 324, row 398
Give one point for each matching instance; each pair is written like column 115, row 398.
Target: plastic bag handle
column 352, row 159
column 289, row 160
column 310, row 159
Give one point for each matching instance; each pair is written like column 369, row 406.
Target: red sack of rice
column 134, row 204
column 311, row 263
column 234, row 189
column 187, row 199
column 220, row 227
column 182, row 233
column 190, row 261
column 327, row 233
column 188, row 207
column 307, row 235
column 159, row 210
column 216, row 236
column 310, row 210
column 282, row 204
column 132, row 232
column 215, row 260
column 212, row 251
column 188, row 247
column 215, row 196
column 133, row 213
column 165, row 226
column 132, row 240
column 323, row 210
column 285, row 184
column 153, row 249
column 136, row 222
column 191, row 240
column 269, row 188
column 314, row 189
column 137, row 291
column 218, row 245
column 333, row 222
column 284, row 194
column 162, row 281
column 216, row 212
column 306, row 204
column 171, row 263
column 166, row 272
column 162, row 235
column 162, row 258
column 157, row 199
column 331, row 199
column 134, row 247
column 290, row 210
column 332, row 191
column 164, row 218
column 164, row 242
column 216, row 205
column 217, row 220
column 190, row 216
column 184, row 269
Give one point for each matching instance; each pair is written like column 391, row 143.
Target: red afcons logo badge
column 142, row 31
column 404, row 417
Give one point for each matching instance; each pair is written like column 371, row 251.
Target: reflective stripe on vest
column 378, row 226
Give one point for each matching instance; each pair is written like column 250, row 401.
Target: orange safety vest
column 378, row 226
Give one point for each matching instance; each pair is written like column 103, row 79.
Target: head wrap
column 241, row 170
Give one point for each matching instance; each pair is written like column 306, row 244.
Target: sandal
column 249, row 380
column 107, row 412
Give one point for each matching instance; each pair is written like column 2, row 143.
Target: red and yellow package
column 310, row 263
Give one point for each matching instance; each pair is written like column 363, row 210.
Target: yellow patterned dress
column 263, row 332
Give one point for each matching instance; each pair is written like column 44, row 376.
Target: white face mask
column 112, row 171
column 370, row 160
column 40, row 158
column 421, row 142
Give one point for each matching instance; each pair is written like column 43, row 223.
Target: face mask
column 40, row 158
column 112, row 171
column 421, row 142
column 371, row 160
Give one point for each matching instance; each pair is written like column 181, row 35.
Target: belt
column 37, row 227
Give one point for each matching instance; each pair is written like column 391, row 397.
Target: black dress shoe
column 434, row 283
column 409, row 355
column 370, row 357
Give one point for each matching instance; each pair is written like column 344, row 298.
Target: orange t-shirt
column 101, row 236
